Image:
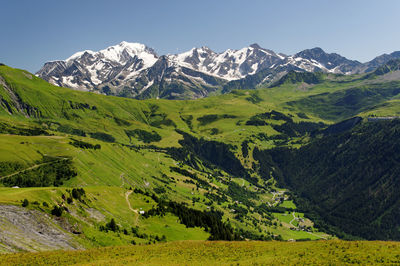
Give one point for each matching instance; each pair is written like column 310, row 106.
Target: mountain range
column 136, row 71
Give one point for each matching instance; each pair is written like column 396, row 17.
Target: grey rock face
column 379, row 61
column 29, row 230
column 327, row 62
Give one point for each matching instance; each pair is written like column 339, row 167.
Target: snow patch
column 147, row 86
column 78, row 54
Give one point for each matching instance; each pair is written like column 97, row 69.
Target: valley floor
column 332, row 252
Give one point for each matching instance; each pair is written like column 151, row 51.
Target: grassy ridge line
column 221, row 253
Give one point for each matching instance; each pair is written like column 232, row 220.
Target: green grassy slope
column 70, row 116
column 143, row 144
column 222, row 253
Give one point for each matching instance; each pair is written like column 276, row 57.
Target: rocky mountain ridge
column 134, row 70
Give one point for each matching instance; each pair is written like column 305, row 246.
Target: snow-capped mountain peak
column 78, row 54
column 230, row 64
column 195, row 58
column 124, row 50
column 316, row 59
column 135, row 70
column 120, row 53
column 88, row 69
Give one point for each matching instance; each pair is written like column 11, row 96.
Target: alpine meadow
column 123, row 155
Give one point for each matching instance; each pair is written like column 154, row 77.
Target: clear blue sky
column 33, row 32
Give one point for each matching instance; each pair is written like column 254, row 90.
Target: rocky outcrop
column 22, row 229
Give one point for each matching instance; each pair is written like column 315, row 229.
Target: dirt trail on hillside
column 130, row 207
column 123, row 179
column 294, row 218
column 30, row 168
column 317, row 235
